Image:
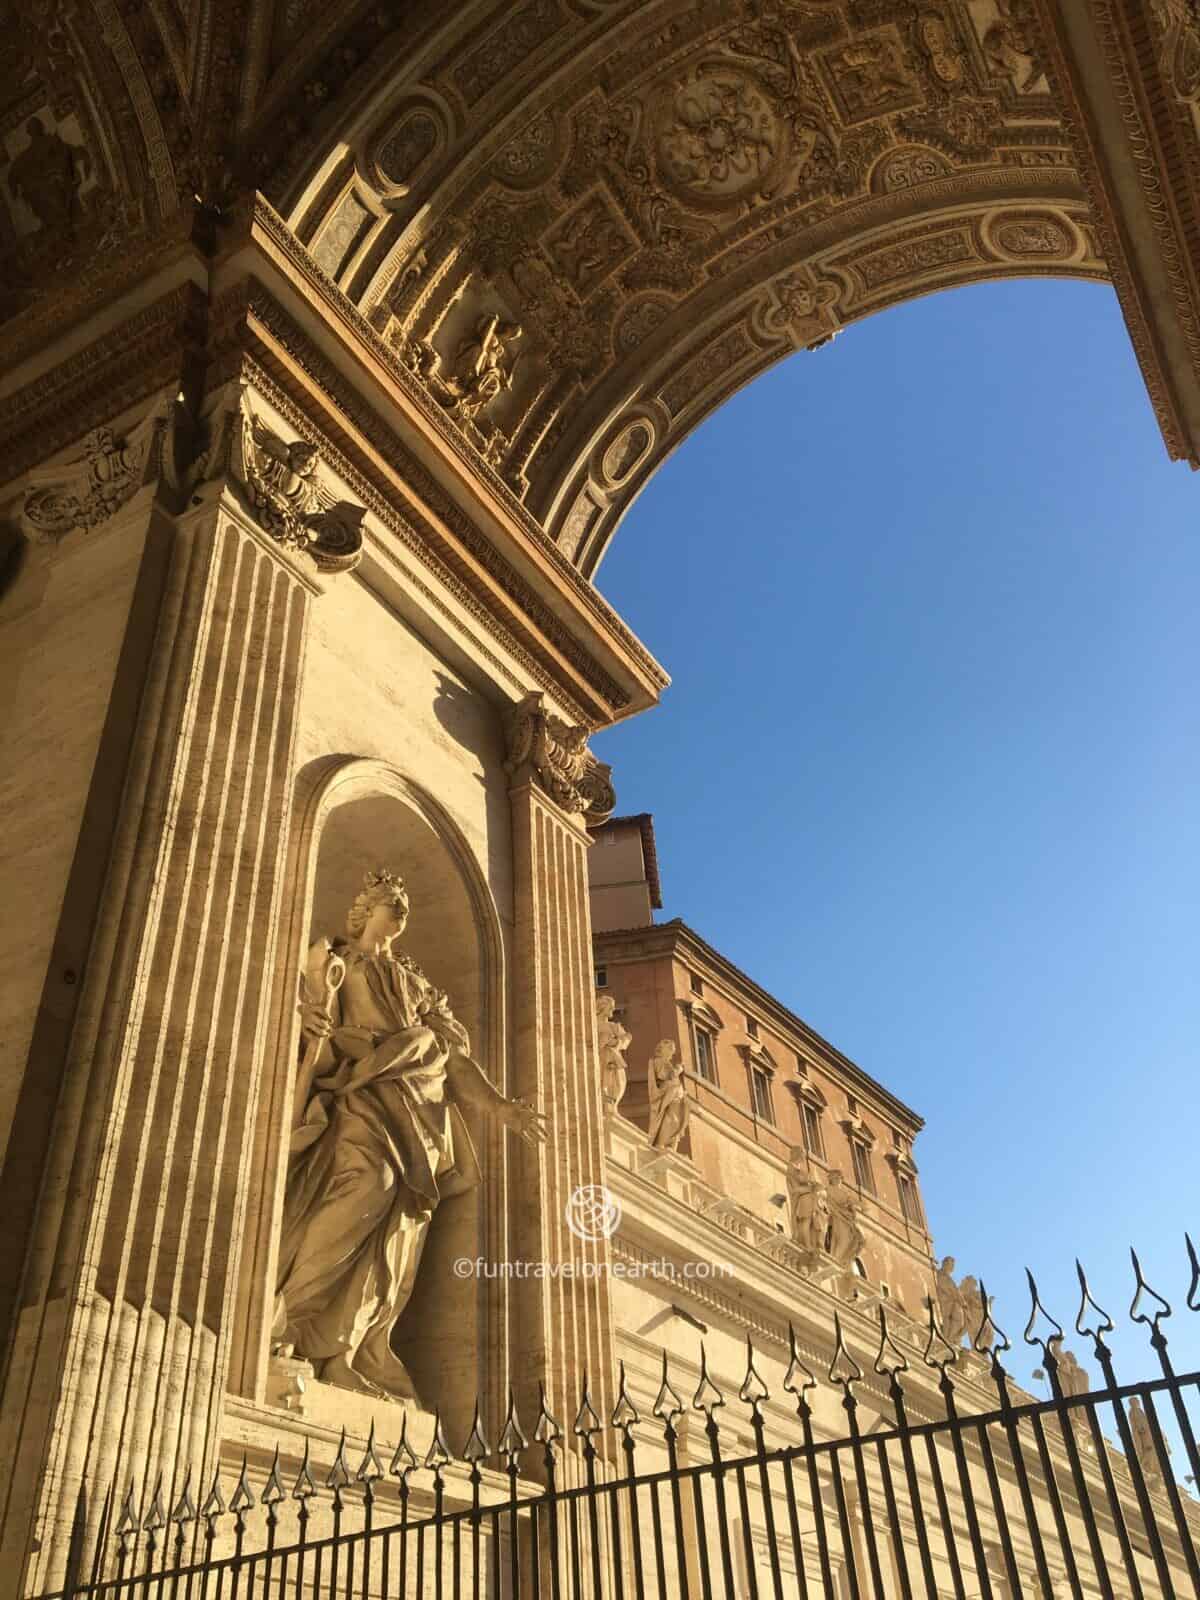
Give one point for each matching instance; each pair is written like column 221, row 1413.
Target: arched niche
column 353, row 815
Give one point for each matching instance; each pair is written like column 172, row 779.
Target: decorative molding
column 558, row 756
column 701, row 1015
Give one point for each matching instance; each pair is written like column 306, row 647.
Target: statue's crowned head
column 381, row 888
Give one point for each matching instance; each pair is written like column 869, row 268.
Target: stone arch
column 350, row 814
column 643, row 211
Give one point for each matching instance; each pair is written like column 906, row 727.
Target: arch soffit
column 659, row 201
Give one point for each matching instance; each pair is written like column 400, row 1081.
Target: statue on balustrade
column 669, row 1104
column 951, row 1307
column 378, row 1141
column 808, row 1207
column 613, row 1040
column 846, row 1238
column 1072, row 1378
column 1144, row 1446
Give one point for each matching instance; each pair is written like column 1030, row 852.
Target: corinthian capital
column 560, row 760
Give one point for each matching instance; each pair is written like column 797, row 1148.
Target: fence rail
column 1028, row 1498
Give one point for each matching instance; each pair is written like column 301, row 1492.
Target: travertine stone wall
column 70, row 612
column 164, row 1080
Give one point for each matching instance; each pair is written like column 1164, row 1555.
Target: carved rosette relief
column 804, row 307
column 719, row 139
column 558, row 757
column 278, row 480
column 86, row 491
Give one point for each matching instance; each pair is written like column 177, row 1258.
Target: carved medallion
column 1032, row 238
column 401, row 154
column 941, row 49
column 625, row 452
column 718, row 138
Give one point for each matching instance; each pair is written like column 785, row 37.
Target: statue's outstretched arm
column 474, row 1088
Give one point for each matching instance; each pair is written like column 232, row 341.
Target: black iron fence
column 1027, row 1497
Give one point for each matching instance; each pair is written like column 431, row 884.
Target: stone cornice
column 421, row 437
column 676, row 939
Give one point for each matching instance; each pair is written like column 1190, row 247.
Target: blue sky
column 928, row 766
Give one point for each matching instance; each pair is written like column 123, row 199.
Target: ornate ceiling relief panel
column 581, row 222
column 85, row 158
column 600, row 221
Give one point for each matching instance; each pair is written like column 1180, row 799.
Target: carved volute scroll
column 279, row 481
column 85, row 491
column 558, row 757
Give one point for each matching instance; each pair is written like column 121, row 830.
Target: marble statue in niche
column 668, row 1098
column 377, row 1142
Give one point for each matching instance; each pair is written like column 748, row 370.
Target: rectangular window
column 910, row 1206
column 602, row 977
column 812, row 1132
column 752, row 1027
column 801, row 1067
column 706, row 1058
column 851, row 1105
column 760, row 1092
column 697, row 985
column 863, row 1175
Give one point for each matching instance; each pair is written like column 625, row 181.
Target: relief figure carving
column 379, row 1140
column 47, row 174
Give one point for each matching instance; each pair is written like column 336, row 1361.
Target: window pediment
column 757, row 1055
column 703, row 1015
column 902, row 1162
column 856, row 1130
column 809, row 1094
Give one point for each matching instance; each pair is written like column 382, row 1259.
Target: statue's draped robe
column 667, row 1102
column 378, row 1146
